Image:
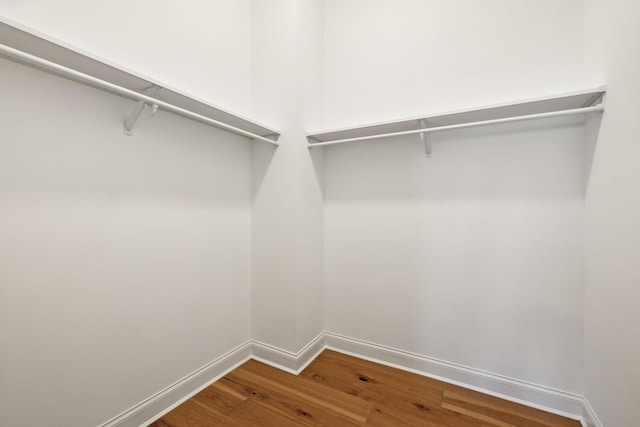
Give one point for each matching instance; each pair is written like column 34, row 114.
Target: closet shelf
column 26, row 46
column 580, row 102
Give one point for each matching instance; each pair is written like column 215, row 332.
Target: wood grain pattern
column 340, row 390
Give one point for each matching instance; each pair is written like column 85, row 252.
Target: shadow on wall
column 527, row 159
column 591, row 132
column 264, row 155
column 317, row 162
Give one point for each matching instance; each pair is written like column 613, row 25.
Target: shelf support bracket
column 137, row 110
column 424, row 138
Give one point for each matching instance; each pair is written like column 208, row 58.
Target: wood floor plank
column 340, row 390
column 380, row 418
column 331, row 399
column 217, row 398
column 398, row 394
column 193, row 414
column 281, row 402
column 492, row 408
column 418, row 382
column 308, row 412
column 226, row 386
column 371, row 383
column 503, row 409
column 254, row 412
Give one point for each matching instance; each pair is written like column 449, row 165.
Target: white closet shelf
column 579, row 102
column 26, row 46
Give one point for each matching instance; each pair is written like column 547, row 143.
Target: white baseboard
column 548, row 399
column 162, row 402
column 286, row 360
column 555, row 401
column 589, row 415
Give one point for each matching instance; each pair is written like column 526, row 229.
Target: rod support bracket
column 137, row 110
column 151, row 109
column 424, row 138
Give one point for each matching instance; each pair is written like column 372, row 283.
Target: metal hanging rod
column 35, row 61
column 595, row 109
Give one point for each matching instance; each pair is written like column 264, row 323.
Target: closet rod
column 595, row 109
column 93, row 81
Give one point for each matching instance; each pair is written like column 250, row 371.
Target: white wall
column 287, row 199
column 474, row 256
column 125, row 262
column 273, row 236
column 612, row 324
column 392, row 59
column 201, row 47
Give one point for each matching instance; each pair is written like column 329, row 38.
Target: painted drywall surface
column 273, row 253
column 310, row 168
column 124, row 261
column 287, row 200
column 473, row 256
column 202, row 47
column 612, row 324
column 393, row 59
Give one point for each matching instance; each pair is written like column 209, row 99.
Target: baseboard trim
column 164, row 401
column 545, row 398
column 548, row 399
column 589, row 415
column 172, row 396
column 288, row 361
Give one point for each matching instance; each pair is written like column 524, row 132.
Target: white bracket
column 424, row 138
column 151, row 110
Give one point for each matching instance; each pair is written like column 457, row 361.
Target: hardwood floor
column 340, row 390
